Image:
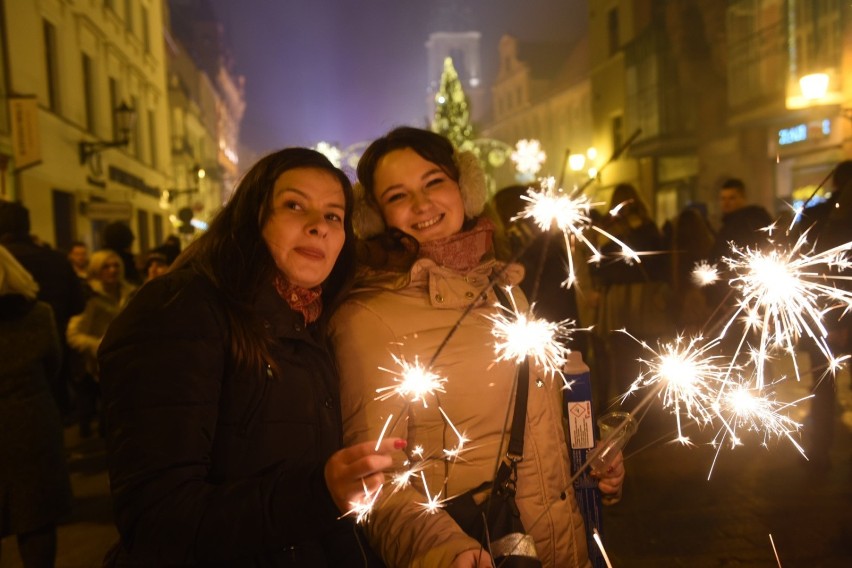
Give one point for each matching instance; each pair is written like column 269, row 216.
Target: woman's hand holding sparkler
column 355, row 473
column 610, row 480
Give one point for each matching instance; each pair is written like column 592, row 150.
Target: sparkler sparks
column 362, row 508
column 741, row 407
column 519, row 335
column 688, row 377
column 704, row 273
column 550, row 207
column 414, row 382
column 785, row 294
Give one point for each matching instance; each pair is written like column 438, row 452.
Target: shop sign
column 109, row 211
column 814, row 130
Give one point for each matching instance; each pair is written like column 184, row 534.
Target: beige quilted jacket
column 409, row 321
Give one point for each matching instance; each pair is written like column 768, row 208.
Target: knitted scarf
column 306, row 301
column 462, row 251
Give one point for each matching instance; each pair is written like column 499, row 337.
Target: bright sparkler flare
column 785, row 294
column 688, row 376
column 550, row 207
column 704, row 273
column 414, row 382
column 741, row 407
column 433, row 502
column 519, row 335
column 362, row 508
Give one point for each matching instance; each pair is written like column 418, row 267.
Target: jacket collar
column 279, row 318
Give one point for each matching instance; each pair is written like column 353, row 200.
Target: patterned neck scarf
column 306, row 301
column 462, row 251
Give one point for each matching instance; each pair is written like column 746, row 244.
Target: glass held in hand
column 616, row 429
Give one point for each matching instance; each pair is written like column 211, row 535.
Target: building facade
column 76, row 63
column 542, row 92
column 69, row 156
column 712, row 90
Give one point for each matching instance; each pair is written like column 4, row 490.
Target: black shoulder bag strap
column 507, row 473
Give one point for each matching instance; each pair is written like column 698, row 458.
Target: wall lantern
column 125, row 117
column 814, row 86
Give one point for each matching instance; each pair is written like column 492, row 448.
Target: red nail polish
column 399, row 444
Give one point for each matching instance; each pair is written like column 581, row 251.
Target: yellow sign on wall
column 26, row 143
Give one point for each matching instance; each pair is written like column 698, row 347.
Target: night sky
column 345, row 71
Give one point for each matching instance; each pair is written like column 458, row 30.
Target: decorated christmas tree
column 452, row 113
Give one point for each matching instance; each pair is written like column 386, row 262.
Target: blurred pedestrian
column 223, row 412
column 78, row 254
column 828, row 224
column 110, row 293
column 743, row 226
column 35, row 490
column 635, row 296
column 157, row 262
column 58, row 284
column 172, row 247
column 692, row 241
column 118, row 237
column 544, row 278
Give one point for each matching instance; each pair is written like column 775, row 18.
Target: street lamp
column 124, row 120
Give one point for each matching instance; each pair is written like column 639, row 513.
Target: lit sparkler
column 741, row 407
column 519, row 335
column 414, row 382
column 688, row 376
column 785, row 295
column 362, row 508
column 704, row 273
column 551, row 207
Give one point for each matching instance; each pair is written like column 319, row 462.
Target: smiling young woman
column 428, row 255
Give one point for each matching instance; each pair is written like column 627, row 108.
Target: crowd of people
column 235, row 382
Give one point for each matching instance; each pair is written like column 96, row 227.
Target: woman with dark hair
column 428, row 257
column 223, row 417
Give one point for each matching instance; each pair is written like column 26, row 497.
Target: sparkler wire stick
column 772, row 542
column 596, row 535
column 820, row 186
column 564, row 165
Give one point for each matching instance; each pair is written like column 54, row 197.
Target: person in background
column 223, row 414
column 828, row 224
column 543, row 277
column 171, row 247
column 427, row 256
column 78, row 254
column 743, row 226
column 110, row 293
column 35, row 490
column 58, row 284
column 118, row 237
column 635, row 296
column 157, row 262
column 692, row 239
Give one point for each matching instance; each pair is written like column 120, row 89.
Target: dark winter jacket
column 742, row 228
column 210, row 465
column 58, row 284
